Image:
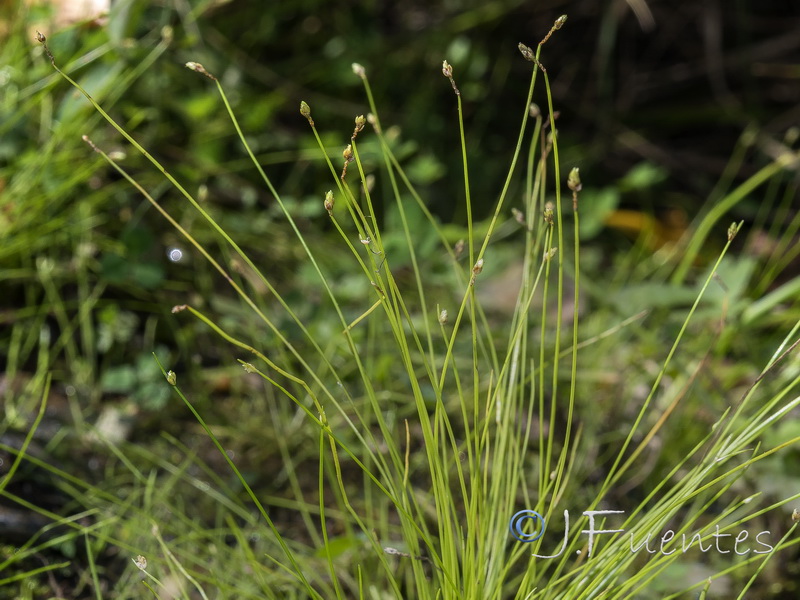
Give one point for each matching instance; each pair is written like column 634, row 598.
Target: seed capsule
column 329, row 202
column 574, row 180
column 447, row 69
column 305, row 110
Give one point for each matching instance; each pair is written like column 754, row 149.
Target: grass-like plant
column 443, row 451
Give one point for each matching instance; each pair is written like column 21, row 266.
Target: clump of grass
column 429, row 424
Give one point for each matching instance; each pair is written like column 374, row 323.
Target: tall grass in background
column 431, row 423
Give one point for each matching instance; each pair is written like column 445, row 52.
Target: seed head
column 198, row 68
column 359, row 70
column 172, row 378
column 443, row 317
column 732, row 231
column 86, row 139
column 447, row 69
column 556, row 26
column 574, row 180
column 548, row 213
column 360, row 122
column 329, row 202
column 527, row 53
column 476, row 270
column 305, row 110
column 373, row 120
column 43, row 41
column 347, row 154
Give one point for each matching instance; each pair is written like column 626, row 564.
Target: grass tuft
column 419, row 444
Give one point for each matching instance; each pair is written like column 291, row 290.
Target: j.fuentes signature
column 528, row 526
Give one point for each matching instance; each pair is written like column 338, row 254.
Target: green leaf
column 152, row 396
column 119, row 380
column 634, row 298
column 642, row 176
column 425, row 169
column 594, row 207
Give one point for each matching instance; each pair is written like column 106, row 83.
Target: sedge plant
column 447, row 446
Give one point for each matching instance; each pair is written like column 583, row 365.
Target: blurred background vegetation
column 665, row 106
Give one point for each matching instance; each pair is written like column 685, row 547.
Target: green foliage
column 383, row 446
column 141, row 381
